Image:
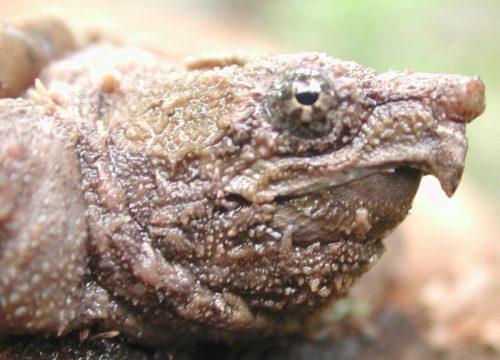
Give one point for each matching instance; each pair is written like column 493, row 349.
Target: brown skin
column 226, row 198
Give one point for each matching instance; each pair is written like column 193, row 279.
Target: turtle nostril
column 463, row 100
column 474, row 99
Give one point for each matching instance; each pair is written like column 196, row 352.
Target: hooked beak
column 444, row 104
column 462, row 103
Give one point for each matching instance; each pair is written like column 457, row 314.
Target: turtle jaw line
column 289, row 190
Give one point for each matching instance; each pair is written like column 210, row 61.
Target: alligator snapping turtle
column 223, row 198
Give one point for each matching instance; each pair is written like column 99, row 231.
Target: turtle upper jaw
column 441, row 154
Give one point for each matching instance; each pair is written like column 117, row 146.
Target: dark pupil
column 307, row 97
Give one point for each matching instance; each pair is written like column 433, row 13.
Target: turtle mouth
column 356, row 175
column 322, row 186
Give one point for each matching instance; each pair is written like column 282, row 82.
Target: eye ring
column 299, row 102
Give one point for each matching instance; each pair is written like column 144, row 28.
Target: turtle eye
column 300, row 101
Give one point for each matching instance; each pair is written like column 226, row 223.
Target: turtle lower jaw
column 363, row 210
column 345, row 179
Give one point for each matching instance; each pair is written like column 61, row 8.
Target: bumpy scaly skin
column 161, row 200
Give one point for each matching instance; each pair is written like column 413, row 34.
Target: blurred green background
column 451, row 36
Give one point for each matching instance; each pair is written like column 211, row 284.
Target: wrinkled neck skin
column 206, row 216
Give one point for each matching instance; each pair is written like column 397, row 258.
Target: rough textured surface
column 226, row 199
